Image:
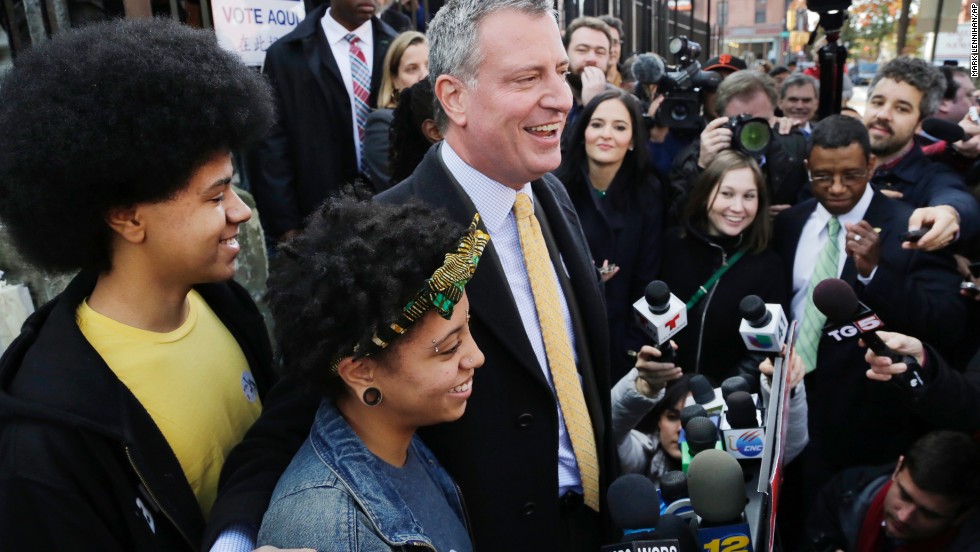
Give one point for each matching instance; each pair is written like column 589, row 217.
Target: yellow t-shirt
column 194, row 382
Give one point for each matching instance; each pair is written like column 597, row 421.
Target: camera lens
column 754, row 136
column 679, row 112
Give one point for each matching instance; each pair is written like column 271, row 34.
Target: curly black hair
column 112, row 115
column 351, row 271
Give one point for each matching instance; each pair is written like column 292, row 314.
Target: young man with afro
column 123, row 395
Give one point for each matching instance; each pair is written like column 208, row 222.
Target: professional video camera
column 683, row 86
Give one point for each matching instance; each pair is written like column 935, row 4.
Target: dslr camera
column 750, row 135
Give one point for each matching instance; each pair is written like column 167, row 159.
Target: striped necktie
column 811, row 329
column 361, row 81
column 558, row 347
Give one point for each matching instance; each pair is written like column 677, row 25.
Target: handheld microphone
column 661, row 315
column 733, row 384
column 741, row 432
column 763, row 325
column 943, row 130
column 676, row 527
column 701, row 434
column 690, row 412
column 634, row 509
column 718, row 496
column 673, row 492
column 704, row 394
column 848, row 318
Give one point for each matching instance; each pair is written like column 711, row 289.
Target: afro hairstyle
column 113, row 115
column 351, row 271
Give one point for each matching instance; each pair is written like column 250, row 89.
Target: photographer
column 753, row 94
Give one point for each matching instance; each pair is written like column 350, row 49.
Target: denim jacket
column 333, row 496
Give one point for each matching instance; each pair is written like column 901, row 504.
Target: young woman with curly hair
column 370, row 312
column 123, row 396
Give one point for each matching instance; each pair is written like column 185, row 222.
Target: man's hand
column 607, row 271
column 862, row 243
column 963, row 266
column 945, row 223
column 882, row 367
column 774, row 210
column 593, row 82
column 714, row 139
column 785, row 125
column 796, row 370
column 654, row 375
column 894, row 194
column 968, row 148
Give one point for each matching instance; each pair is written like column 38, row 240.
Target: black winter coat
column 711, row 344
column 82, row 464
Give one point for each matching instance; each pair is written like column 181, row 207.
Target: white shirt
column 495, row 203
column 335, row 33
column 812, row 239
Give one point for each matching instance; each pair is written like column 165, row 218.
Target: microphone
column 676, row 527
column 690, row 412
column 718, row 496
column 741, row 434
column 704, row 394
column 634, row 509
column 701, row 434
column 763, row 325
column 674, row 496
column 661, row 315
column 943, row 130
column 733, row 384
column 848, row 318
column 649, row 69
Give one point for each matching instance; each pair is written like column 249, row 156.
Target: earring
column 371, row 396
column 631, row 148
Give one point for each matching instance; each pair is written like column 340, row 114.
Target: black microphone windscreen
column 633, row 502
column 702, row 434
column 649, row 69
column 741, row 411
column 690, row 412
column 674, row 527
column 701, row 389
column 944, row 130
column 673, row 486
column 835, row 299
column 733, row 384
column 658, row 296
column 717, row 487
column 753, row 309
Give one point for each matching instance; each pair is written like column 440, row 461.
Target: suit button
column 529, row 509
column 525, row 420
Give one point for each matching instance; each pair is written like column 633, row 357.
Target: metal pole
column 935, row 31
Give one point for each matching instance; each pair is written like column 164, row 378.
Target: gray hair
column 454, row 39
column 744, row 83
column 920, row 75
column 798, row 79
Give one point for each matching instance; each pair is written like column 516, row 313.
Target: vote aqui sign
column 249, row 27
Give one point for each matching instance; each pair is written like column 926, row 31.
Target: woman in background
column 413, row 131
column 406, row 63
column 720, row 255
column 617, row 198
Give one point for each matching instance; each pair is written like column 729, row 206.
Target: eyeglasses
column 848, row 179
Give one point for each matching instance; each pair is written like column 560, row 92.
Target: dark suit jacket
column 853, row 420
column 310, row 152
column 503, row 452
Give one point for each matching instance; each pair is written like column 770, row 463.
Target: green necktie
column 813, row 320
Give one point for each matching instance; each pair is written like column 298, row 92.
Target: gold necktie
column 558, row 347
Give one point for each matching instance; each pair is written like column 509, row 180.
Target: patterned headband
column 440, row 293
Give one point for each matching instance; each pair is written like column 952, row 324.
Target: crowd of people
column 459, row 224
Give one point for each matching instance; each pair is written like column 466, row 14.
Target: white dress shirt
column 495, row 202
column 335, row 33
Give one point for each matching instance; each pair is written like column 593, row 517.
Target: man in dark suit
column 530, row 479
column 851, row 231
column 316, row 145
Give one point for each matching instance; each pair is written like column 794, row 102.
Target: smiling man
column 532, row 453
column 799, row 98
column 851, row 231
column 903, row 93
column 927, row 501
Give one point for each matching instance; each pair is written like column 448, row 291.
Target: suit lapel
column 436, row 186
column 323, row 66
column 381, row 42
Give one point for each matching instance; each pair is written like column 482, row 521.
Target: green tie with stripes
column 813, row 320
